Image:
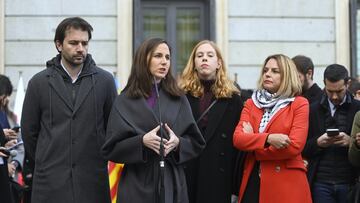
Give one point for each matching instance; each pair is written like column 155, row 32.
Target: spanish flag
column 114, row 178
column 114, row 169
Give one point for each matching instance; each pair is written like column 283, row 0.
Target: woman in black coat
column 216, row 105
column 151, row 97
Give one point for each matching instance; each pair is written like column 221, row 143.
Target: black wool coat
column 210, row 177
column 130, row 119
column 313, row 94
column 64, row 136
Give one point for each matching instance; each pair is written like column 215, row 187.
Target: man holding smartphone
column 329, row 171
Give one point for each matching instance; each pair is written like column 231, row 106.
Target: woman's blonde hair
column 290, row 84
column 190, row 82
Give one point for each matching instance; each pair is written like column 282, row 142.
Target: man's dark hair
column 304, row 64
column 6, row 87
column 73, row 22
column 336, row 72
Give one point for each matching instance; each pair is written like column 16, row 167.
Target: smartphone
column 331, row 132
column 5, row 151
column 15, row 145
column 16, row 128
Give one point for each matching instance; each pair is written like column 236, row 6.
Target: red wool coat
column 283, row 173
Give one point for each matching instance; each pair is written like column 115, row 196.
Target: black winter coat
column 64, row 136
column 317, row 117
column 129, row 121
column 210, row 177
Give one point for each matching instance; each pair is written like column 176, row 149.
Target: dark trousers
column 5, row 185
column 27, row 196
column 330, row 193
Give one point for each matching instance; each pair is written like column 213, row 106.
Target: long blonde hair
column 190, row 82
column 290, row 84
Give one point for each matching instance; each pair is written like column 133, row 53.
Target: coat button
column 222, row 154
column 223, row 135
column 277, row 168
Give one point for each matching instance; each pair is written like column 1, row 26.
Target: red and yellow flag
column 114, row 178
column 114, row 169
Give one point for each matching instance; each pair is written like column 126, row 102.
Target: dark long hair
column 141, row 80
column 6, row 87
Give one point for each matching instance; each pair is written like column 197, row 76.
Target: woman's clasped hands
column 152, row 140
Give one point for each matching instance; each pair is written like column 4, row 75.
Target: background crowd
column 197, row 139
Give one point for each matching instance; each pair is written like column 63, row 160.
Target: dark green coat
column 354, row 151
column 64, row 136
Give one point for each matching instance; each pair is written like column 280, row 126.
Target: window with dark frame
column 182, row 23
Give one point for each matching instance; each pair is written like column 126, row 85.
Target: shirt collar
column 333, row 107
column 73, row 81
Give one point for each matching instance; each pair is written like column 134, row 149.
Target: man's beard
column 73, row 62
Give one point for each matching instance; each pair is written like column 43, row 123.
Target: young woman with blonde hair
column 216, row 106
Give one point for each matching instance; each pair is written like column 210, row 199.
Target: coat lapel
column 138, row 114
column 143, row 118
column 214, row 117
column 169, row 108
column 195, row 105
column 85, row 87
column 57, row 83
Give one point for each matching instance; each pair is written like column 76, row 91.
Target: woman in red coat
column 273, row 128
